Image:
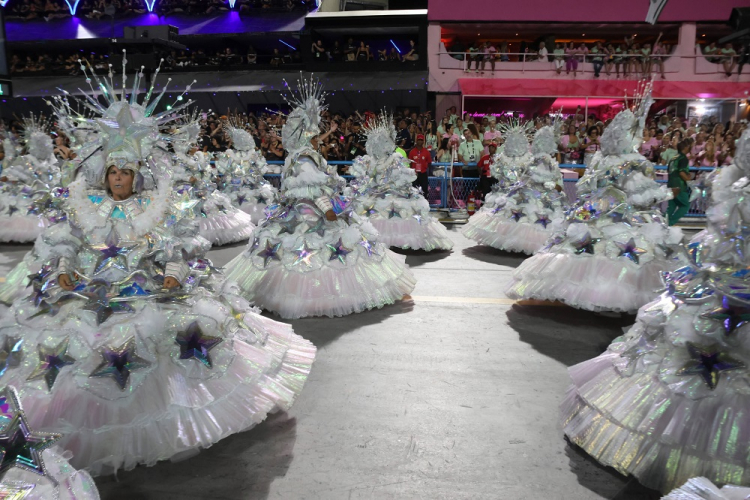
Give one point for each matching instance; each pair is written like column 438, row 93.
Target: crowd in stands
column 98, row 9
column 628, row 58
column 465, row 141
column 361, row 52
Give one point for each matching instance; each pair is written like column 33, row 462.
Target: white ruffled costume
column 700, row 488
column 128, row 391
column 669, row 400
column 527, row 215
column 616, row 243
column 382, row 191
column 221, row 222
column 31, row 178
column 300, row 264
column 45, row 473
column 242, row 169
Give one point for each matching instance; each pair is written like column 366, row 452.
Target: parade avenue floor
column 451, row 394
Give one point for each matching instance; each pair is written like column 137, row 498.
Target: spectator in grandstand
column 430, row 138
column 363, row 52
column 597, row 58
column 726, row 156
column 470, row 151
column 649, row 144
column 559, row 54
column 350, row 51
column 503, row 52
column 542, row 53
column 728, row 58
column 489, row 53
column 707, row 157
column 657, row 57
column 403, row 139
column 486, row 181
column 319, row 51
column 413, row 54
column 420, row 158
column 446, row 152
column 710, row 51
column 571, row 59
column 570, row 145
column 355, row 142
column 491, row 134
column 590, row 144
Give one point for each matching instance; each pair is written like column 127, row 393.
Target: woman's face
column 571, row 129
column 594, row 133
column 120, row 183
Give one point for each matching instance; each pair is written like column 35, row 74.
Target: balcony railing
column 529, row 62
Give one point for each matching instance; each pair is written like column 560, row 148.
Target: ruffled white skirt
column 498, row 232
column 410, row 233
column 223, row 228
column 591, row 282
column 20, row 228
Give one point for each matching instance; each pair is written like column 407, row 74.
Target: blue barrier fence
column 453, row 192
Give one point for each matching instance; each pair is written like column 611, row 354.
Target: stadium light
column 282, row 41
column 394, row 44
column 72, row 7
column 3, row 3
column 231, row 3
column 150, row 5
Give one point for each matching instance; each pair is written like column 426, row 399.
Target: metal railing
column 447, row 192
column 530, row 61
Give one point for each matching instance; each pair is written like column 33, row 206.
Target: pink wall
column 581, row 11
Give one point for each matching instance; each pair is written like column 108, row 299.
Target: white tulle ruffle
column 591, row 282
column 639, row 426
column 224, row 228
column 326, row 291
column 427, row 235
column 19, row 228
column 502, row 233
column 700, row 488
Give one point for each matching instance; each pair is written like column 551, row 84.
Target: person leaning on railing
column 420, row 158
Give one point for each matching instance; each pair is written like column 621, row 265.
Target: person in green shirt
column 402, row 152
column 671, row 149
column 679, row 175
column 728, row 58
column 559, row 54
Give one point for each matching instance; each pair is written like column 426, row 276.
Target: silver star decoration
column 123, row 133
column 731, row 314
column 271, row 252
column 185, row 206
column 368, row 246
column 101, row 306
column 393, row 212
column 585, row 244
column 241, row 199
column 11, row 353
column 319, row 228
column 369, row 210
column 111, row 254
column 22, row 447
column 304, row 254
column 338, row 251
column 630, row 250
column 289, row 226
column 119, row 361
column 51, row 361
column 418, row 218
column 12, row 209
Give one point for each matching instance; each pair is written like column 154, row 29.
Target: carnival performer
column 382, row 192
column 33, row 467
column 28, row 183
column 315, row 256
column 133, row 345
column 610, row 254
column 196, row 180
column 524, row 218
column 668, row 400
column 242, row 169
column 144, row 351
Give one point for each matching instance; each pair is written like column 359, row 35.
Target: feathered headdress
column 36, row 136
column 546, row 138
column 381, row 135
column 516, row 134
column 128, row 128
column 625, row 133
column 303, row 123
column 241, row 138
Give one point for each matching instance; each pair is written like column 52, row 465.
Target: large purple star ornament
column 51, row 361
column 338, row 251
column 195, row 344
column 119, row 362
